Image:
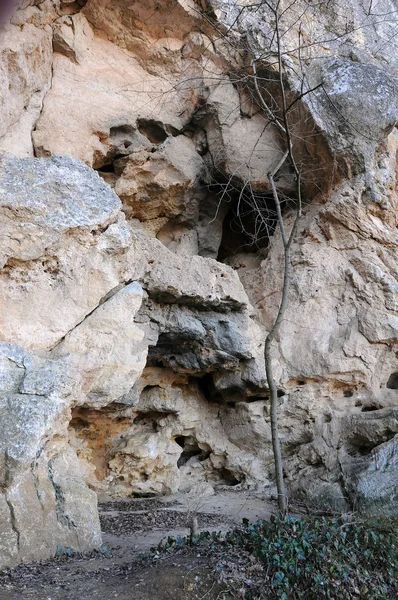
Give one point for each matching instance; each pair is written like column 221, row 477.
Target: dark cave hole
column 110, row 168
column 371, row 407
column 263, row 398
column 180, row 440
column 392, row 383
column 359, row 449
column 127, row 131
column 250, row 220
column 190, row 448
column 79, row 423
column 153, row 130
column 208, row 389
column 72, row 7
column 348, row 393
column 228, row 478
column 149, row 419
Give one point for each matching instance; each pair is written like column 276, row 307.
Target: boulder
column 45, row 504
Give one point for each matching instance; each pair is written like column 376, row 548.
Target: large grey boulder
column 377, row 484
column 355, row 106
column 44, row 198
column 369, row 459
column 44, row 503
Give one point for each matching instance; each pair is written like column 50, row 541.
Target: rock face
column 135, row 303
column 123, row 334
column 337, row 350
column 44, row 501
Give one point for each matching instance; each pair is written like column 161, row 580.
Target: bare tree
column 287, row 240
column 286, row 57
column 289, row 50
column 278, row 114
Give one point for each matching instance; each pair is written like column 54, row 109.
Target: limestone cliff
column 134, row 303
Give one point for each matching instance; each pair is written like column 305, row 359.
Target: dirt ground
column 130, row 529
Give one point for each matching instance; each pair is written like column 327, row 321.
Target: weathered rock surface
column 338, row 341
column 44, row 500
column 101, row 300
column 131, row 354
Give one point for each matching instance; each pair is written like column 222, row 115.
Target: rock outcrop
column 137, row 286
column 123, row 335
column 45, row 504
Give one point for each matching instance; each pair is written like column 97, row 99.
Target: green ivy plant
column 320, row 558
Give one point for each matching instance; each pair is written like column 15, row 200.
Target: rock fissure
column 13, row 522
column 60, row 510
column 103, row 300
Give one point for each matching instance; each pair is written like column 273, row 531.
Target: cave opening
column 250, row 220
column 190, row 448
column 109, row 168
column 372, row 406
column 207, row 387
column 228, row 478
column 153, row 130
column 392, row 383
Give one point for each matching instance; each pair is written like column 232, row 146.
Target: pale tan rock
column 152, row 32
column 338, row 340
column 240, row 147
column 162, row 182
column 25, row 67
column 192, row 280
column 108, row 349
column 107, row 88
column 156, row 379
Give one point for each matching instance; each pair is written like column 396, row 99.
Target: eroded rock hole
column 95, row 434
column 120, row 142
column 250, row 221
column 208, row 389
column 153, row 130
column 262, row 398
column 371, row 407
column 71, row 8
column 190, row 448
column 149, row 420
column 108, row 168
column 122, row 133
column 392, row 383
column 228, row 478
column 360, row 445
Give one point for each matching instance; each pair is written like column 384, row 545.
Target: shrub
column 318, row 558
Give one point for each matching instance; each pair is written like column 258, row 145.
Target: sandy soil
column 131, row 528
